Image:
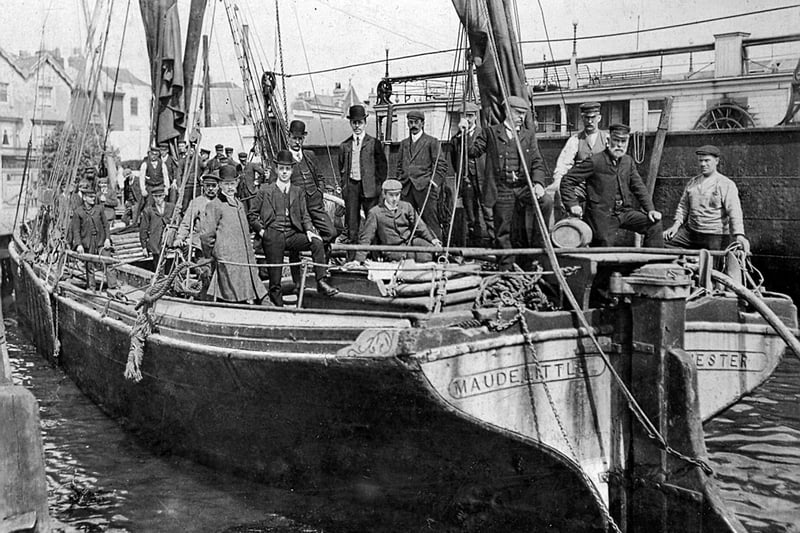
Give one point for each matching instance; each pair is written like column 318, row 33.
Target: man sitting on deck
column 279, row 215
column 391, row 223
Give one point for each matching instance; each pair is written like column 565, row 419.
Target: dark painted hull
column 357, row 409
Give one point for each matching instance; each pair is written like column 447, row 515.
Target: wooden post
column 23, row 485
column 658, row 150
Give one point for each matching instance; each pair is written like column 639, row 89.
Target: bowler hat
column 391, row 185
column 619, row 129
column 416, row 114
column 284, row 157
column 470, row 107
column 357, row 112
column 590, row 107
column 517, row 102
column 708, row 149
column 228, row 173
column 297, row 127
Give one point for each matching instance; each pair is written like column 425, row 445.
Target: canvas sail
column 495, row 51
column 170, row 73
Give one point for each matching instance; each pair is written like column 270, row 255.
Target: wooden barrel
column 571, row 233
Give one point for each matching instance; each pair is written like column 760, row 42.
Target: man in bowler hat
column 362, row 171
column 306, row 175
column 279, row 215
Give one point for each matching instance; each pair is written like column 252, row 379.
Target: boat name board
column 729, row 360
column 521, row 375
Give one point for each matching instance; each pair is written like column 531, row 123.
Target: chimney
column 729, row 54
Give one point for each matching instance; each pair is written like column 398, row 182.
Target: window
column 4, row 93
column 5, row 138
column 134, row 106
column 46, row 96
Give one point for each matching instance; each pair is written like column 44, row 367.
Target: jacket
column 262, row 209
column 372, row 162
column 152, row 225
column 417, row 164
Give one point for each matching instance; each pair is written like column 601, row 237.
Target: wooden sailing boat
column 429, row 410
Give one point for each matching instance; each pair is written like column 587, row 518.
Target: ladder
column 258, row 112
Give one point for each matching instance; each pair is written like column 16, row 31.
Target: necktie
column 355, row 163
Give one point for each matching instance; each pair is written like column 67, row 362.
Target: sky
column 319, row 34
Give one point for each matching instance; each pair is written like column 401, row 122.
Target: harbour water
column 100, row 479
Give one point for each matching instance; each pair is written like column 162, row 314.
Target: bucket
column 571, row 233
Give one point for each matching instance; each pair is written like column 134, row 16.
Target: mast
column 476, row 16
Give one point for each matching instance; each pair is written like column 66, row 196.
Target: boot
column 325, row 288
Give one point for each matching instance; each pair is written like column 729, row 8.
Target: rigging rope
column 280, row 55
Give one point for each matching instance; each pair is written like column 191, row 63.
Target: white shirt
column 298, row 155
column 283, row 186
column 415, row 136
column 355, row 160
column 143, row 176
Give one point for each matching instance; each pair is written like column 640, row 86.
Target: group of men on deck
column 502, row 173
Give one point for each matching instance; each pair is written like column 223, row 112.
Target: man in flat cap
column 88, row 229
column 582, row 145
column 421, row 168
column 155, row 220
column 709, row 209
column 479, row 217
column 612, row 183
column 251, row 176
column 219, row 158
column 362, row 171
column 278, row 214
column 391, row 223
column 507, row 168
column 307, row 175
column 153, row 173
column 225, row 237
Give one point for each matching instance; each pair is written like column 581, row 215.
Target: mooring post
column 667, row 492
column 23, row 485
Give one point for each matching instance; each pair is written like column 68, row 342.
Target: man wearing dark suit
column 478, row 214
column 612, row 183
column 278, row 214
column 248, row 185
column 506, row 180
column 362, row 170
column 420, row 168
column 155, row 219
column 218, row 160
column 307, row 176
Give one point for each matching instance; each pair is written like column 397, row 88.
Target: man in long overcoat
column 225, row 236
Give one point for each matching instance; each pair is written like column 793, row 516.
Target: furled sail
column 495, row 51
column 168, row 73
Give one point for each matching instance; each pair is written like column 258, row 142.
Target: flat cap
column 210, row 176
column 219, row 147
column 391, row 185
column 228, row 150
column 228, row 173
column 158, row 189
column 708, row 149
column 518, row 102
column 242, row 155
column 470, row 107
column 416, row 114
column 205, row 151
column 619, row 129
column 588, row 107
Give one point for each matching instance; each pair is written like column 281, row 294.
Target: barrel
column 571, row 233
